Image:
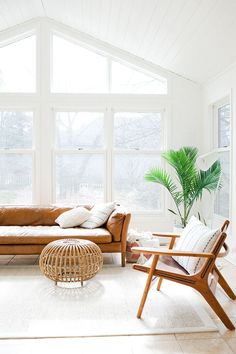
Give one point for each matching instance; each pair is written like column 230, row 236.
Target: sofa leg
column 123, row 259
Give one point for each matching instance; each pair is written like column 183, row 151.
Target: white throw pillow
column 73, row 217
column 99, row 215
column 196, row 237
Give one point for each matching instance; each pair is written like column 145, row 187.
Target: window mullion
column 109, row 155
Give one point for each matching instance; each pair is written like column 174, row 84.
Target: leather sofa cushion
column 115, row 223
column 31, row 235
column 24, row 216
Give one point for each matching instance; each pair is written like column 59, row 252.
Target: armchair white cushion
column 196, row 237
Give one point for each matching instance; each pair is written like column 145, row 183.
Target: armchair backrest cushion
column 196, row 237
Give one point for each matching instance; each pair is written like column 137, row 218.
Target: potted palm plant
column 189, row 182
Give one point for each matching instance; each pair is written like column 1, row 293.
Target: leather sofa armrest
column 116, row 223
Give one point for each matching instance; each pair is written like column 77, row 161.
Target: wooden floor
column 223, row 342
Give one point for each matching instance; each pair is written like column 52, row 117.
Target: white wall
column 219, row 87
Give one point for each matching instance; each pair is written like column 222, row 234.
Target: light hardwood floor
column 223, row 342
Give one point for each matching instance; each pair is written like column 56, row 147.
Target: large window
column 82, row 171
column 222, row 142
column 16, row 158
column 80, row 157
column 78, row 124
column 80, row 70
column 138, row 139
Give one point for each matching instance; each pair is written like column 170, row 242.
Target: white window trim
column 57, row 151
column 17, row 37
column 108, row 151
column 157, row 152
column 32, row 151
column 109, row 58
column 215, row 106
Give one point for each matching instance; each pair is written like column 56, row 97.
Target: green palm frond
column 208, row 180
column 158, row 175
column 183, row 162
column 190, row 182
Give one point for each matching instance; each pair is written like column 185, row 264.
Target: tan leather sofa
column 26, row 230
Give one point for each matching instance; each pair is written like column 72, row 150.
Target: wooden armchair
column 162, row 264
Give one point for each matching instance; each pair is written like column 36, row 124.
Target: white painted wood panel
column 194, row 38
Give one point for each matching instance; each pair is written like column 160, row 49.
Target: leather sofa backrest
column 46, row 216
column 29, row 215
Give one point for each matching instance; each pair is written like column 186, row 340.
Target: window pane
column 76, row 130
column 130, row 187
column 16, row 130
column 222, row 196
column 128, row 80
column 18, row 66
column 76, row 69
column 16, row 181
column 224, row 126
column 139, row 131
column 79, row 178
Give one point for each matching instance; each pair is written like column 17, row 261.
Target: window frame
column 18, row 37
column 57, row 151
column 109, row 59
column 26, row 151
column 138, row 69
column 157, row 152
column 109, row 152
column 219, row 150
column 83, row 45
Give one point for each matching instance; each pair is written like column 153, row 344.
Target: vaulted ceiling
column 193, row 38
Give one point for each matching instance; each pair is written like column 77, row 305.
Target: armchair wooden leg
column 147, row 286
column 223, row 283
column 123, row 259
column 216, row 307
column 159, row 284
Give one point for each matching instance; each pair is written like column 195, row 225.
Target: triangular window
column 77, row 69
column 18, row 66
column 128, row 80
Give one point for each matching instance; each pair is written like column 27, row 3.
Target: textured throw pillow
column 99, row 215
column 196, row 237
column 73, row 217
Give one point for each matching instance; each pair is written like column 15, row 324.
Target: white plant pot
column 178, row 228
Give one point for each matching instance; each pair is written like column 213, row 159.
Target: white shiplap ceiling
column 194, row 38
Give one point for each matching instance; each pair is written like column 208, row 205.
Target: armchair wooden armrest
column 171, row 235
column 167, row 234
column 225, row 252
column 169, row 252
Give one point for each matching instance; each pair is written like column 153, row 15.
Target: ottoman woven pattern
column 70, row 260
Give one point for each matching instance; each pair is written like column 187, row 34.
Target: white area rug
column 33, row 307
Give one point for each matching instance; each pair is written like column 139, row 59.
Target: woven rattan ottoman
column 70, row 260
